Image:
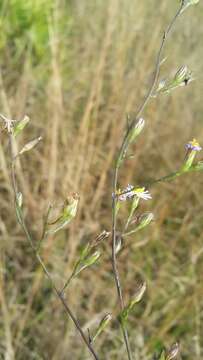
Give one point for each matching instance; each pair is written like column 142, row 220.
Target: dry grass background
column 76, row 68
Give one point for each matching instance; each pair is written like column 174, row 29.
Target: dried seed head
column 181, row 73
column 186, row 3
column 173, row 352
column 100, row 238
column 136, row 130
column 119, row 242
column 139, row 292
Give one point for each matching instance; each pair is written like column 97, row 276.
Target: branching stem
column 120, row 156
column 21, row 221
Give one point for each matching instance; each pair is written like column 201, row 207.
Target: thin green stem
column 38, row 257
column 120, row 156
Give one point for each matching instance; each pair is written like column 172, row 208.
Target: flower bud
column 104, row 322
column 144, row 220
column 19, row 199
column 83, row 263
column 30, row 145
column 119, row 242
column 192, row 148
column 136, row 130
column 181, row 73
column 69, row 211
column 138, row 295
column 135, row 299
column 20, row 125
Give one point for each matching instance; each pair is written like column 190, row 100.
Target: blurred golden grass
column 95, row 68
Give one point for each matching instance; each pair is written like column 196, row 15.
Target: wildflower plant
column 132, row 194
column 182, row 77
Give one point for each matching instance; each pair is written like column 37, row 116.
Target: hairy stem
column 120, row 156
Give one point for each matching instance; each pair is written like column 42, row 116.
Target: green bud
column 104, row 322
column 88, row 261
column 161, row 85
column 71, row 206
column 181, row 74
column 138, row 295
column 189, row 161
column 145, row 220
column 82, row 263
column 182, row 77
column 119, row 242
column 68, row 213
column 100, row 238
column 134, row 206
column 163, row 355
column 186, row 3
column 20, row 125
column 135, row 299
column 133, row 134
column 19, row 199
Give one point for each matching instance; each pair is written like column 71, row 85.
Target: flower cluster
column 130, row 191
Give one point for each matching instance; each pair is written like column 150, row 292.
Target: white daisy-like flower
column 142, row 193
column 130, row 192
